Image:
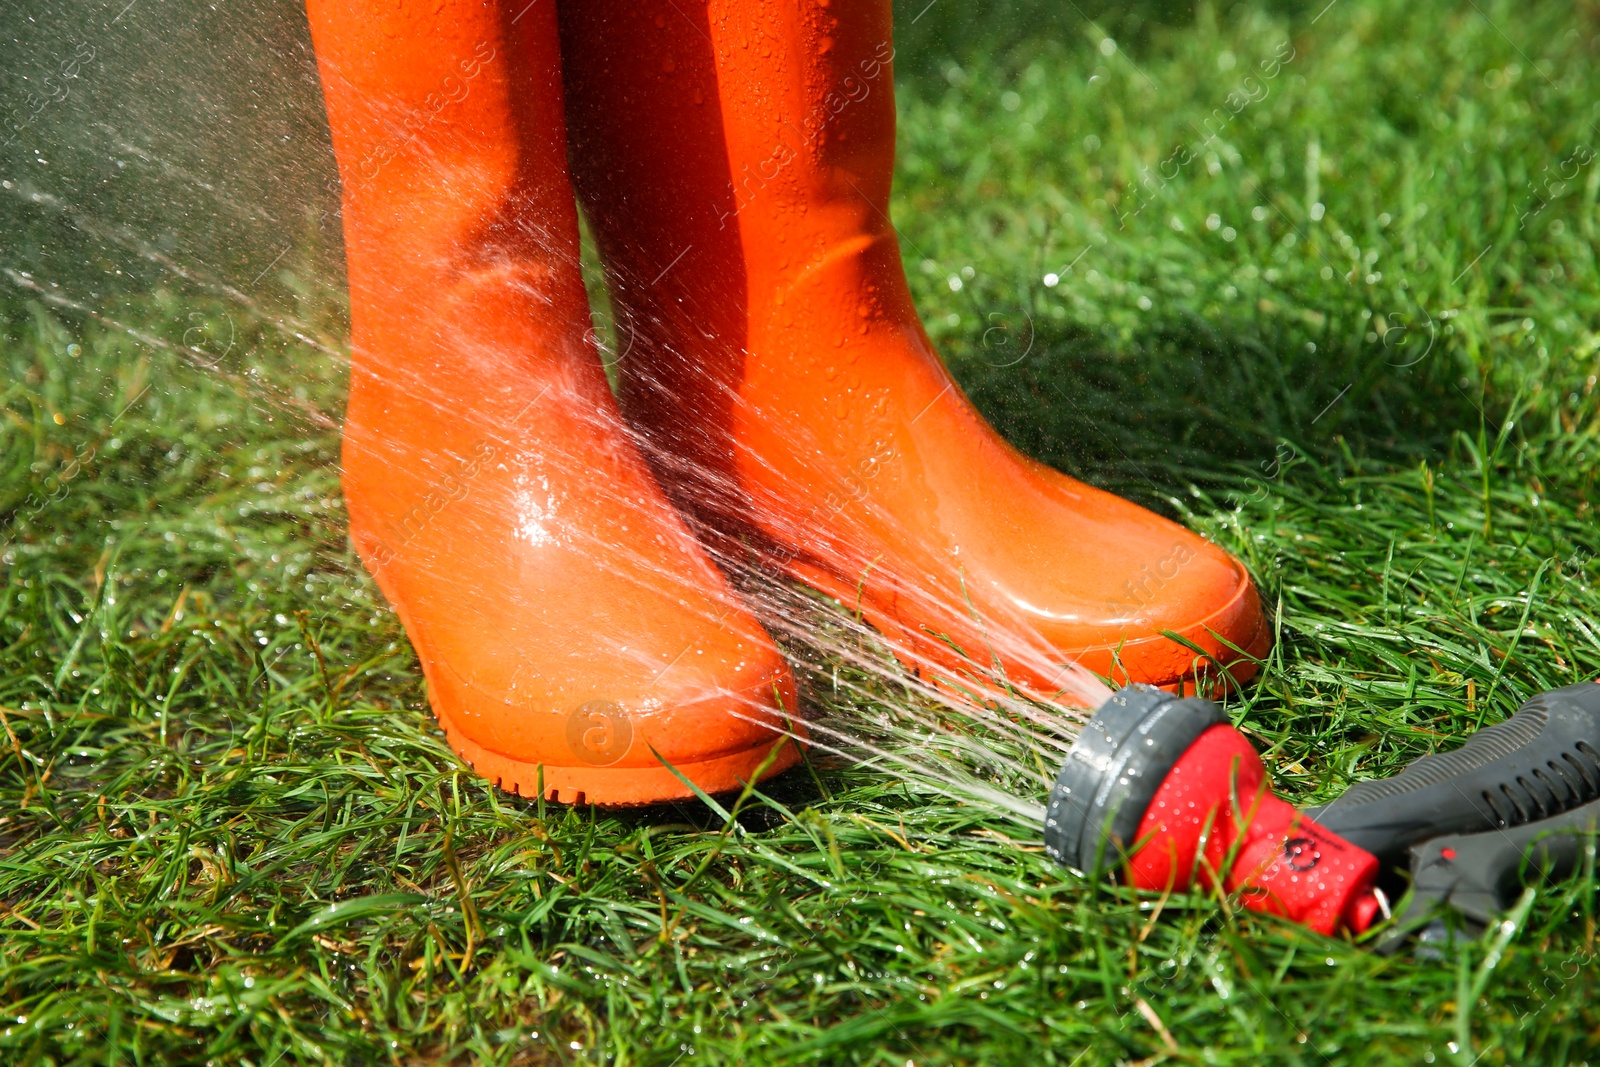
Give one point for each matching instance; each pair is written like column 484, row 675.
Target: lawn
column 1318, row 281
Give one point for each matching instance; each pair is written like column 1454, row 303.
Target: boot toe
column 1203, row 619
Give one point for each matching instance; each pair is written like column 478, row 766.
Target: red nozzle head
column 1215, row 820
column 1182, row 798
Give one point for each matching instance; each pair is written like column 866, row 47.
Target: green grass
column 229, row 832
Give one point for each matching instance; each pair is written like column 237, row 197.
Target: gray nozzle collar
column 1113, row 771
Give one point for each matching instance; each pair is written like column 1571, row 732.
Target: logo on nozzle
column 599, row 732
column 1301, row 853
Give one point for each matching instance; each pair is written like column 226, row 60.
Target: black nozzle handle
column 1543, row 761
column 1480, row 875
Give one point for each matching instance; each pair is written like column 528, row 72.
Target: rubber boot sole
column 618, row 786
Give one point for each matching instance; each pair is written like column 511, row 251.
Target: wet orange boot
column 569, row 625
column 734, row 158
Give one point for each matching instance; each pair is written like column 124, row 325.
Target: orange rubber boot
column 569, row 625
column 734, row 158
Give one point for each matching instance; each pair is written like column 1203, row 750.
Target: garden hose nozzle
column 1541, row 762
column 1165, row 789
